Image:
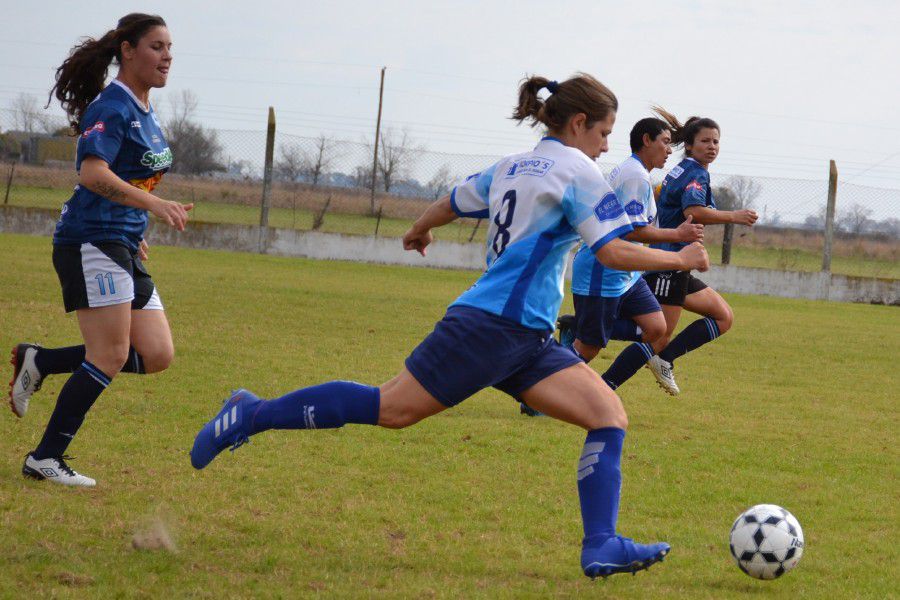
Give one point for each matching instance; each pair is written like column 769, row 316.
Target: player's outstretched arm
column 96, row 176
column 686, row 232
column 419, row 235
column 712, row 216
column 625, row 256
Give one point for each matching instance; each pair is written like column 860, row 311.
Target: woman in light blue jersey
column 98, row 246
column 687, row 194
column 499, row 332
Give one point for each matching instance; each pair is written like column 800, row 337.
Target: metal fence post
column 829, row 217
column 727, row 237
column 267, row 179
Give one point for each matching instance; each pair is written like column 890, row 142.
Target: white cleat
column 26, row 378
column 664, row 373
column 55, row 470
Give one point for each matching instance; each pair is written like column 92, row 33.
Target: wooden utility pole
column 377, row 139
column 267, row 179
column 829, row 217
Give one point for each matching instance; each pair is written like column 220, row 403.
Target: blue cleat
column 527, row 410
column 228, row 428
column 566, row 326
column 620, row 555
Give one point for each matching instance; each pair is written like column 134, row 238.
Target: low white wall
column 452, row 255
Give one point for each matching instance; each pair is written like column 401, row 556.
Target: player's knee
column 607, row 412
column 158, row 359
column 725, row 320
column 110, row 358
column 654, row 332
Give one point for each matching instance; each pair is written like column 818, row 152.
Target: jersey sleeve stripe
column 611, row 236
column 475, row 214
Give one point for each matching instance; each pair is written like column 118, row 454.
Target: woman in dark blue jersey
column 98, row 246
column 686, row 192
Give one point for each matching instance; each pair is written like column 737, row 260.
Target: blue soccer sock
column 626, row 330
column 692, row 337
column 50, row 361
column 76, row 397
column 600, row 483
column 627, row 363
column 326, row 406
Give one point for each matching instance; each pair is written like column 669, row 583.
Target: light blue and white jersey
column 631, row 183
column 538, row 204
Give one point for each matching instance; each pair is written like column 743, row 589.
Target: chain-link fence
column 326, row 184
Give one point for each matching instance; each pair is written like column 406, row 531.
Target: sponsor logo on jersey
column 694, row 185
column 157, row 160
column 135, row 124
column 99, row 127
column 154, row 138
column 676, row 172
column 534, row 166
column 609, row 208
column 147, row 184
column 634, row 208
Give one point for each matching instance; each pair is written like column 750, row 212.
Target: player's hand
column 175, row 214
column 417, row 240
column 745, row 217
column 143, row 250
column 694, row 257
column 690, row 231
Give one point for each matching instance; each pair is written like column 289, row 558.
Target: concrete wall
column 452, row 255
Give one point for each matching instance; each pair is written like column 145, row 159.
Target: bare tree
column 27, row 115
column 439, row 185
column 295, row 162
column 196, row 149
column 856, row 219
column 744, row 191
column 290, row 164
column 395, row 156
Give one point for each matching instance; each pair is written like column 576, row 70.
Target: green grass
column 796, row 406
column 788, row 259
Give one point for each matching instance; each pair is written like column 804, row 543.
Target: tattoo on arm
column 110, row 192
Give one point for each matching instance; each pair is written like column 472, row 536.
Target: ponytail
column 686, row 133
column 579, row 94
column 83, row 74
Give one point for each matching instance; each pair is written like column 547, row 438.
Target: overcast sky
column 792, row 84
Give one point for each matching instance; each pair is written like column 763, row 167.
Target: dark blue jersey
column 685, row 185
column 119, row 130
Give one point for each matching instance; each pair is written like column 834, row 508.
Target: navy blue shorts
column 471, row 349
column 595, row 315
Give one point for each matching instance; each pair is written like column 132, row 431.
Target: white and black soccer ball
column 766, row 541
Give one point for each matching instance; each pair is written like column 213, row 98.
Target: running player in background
column 538, row 204
column 686, row 194
column 99, row 242
column 615, row 304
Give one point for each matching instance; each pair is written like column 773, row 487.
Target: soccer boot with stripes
column 26, row 378
column 56, row 470
column 620, row 554
column 228, row 428
column 566, row 326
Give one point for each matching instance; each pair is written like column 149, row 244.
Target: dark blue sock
column 600, row 483
column 50, row 361
column 692, row 337
column 627, row 363
column 77, row 396
column 625, row 330
column 325, row 406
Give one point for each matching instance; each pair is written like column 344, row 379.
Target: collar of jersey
column 140, row 104
column 550, row 138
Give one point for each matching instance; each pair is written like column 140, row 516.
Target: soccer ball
column 766, row 541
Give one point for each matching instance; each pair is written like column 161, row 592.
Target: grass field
column 772, row 253
column 796, row 406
